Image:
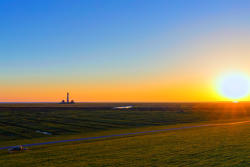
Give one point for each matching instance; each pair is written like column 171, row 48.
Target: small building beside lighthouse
column 67, row 100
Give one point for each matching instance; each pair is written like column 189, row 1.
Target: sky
column 126, row 50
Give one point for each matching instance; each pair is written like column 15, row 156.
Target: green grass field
column 207, row 146
column 204, row 146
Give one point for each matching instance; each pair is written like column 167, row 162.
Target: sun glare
column 234, row 86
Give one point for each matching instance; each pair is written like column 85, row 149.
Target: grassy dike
column 205, row 146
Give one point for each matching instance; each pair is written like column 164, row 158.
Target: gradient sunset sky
column 121, row 50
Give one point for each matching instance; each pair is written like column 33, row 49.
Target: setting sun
column 233, row 86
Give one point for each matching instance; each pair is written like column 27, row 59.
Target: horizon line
column 128, row 102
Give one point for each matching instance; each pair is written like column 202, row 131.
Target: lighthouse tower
column 67, row 100
column 67, row 97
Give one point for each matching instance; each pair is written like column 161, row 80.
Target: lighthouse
column 67, row 100
column 67, row 97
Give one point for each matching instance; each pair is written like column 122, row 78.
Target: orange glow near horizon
column 162, row 91
column 175, row 89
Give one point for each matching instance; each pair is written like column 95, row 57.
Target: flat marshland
column 202, row 146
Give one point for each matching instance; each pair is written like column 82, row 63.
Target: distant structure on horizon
column 67, row 102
